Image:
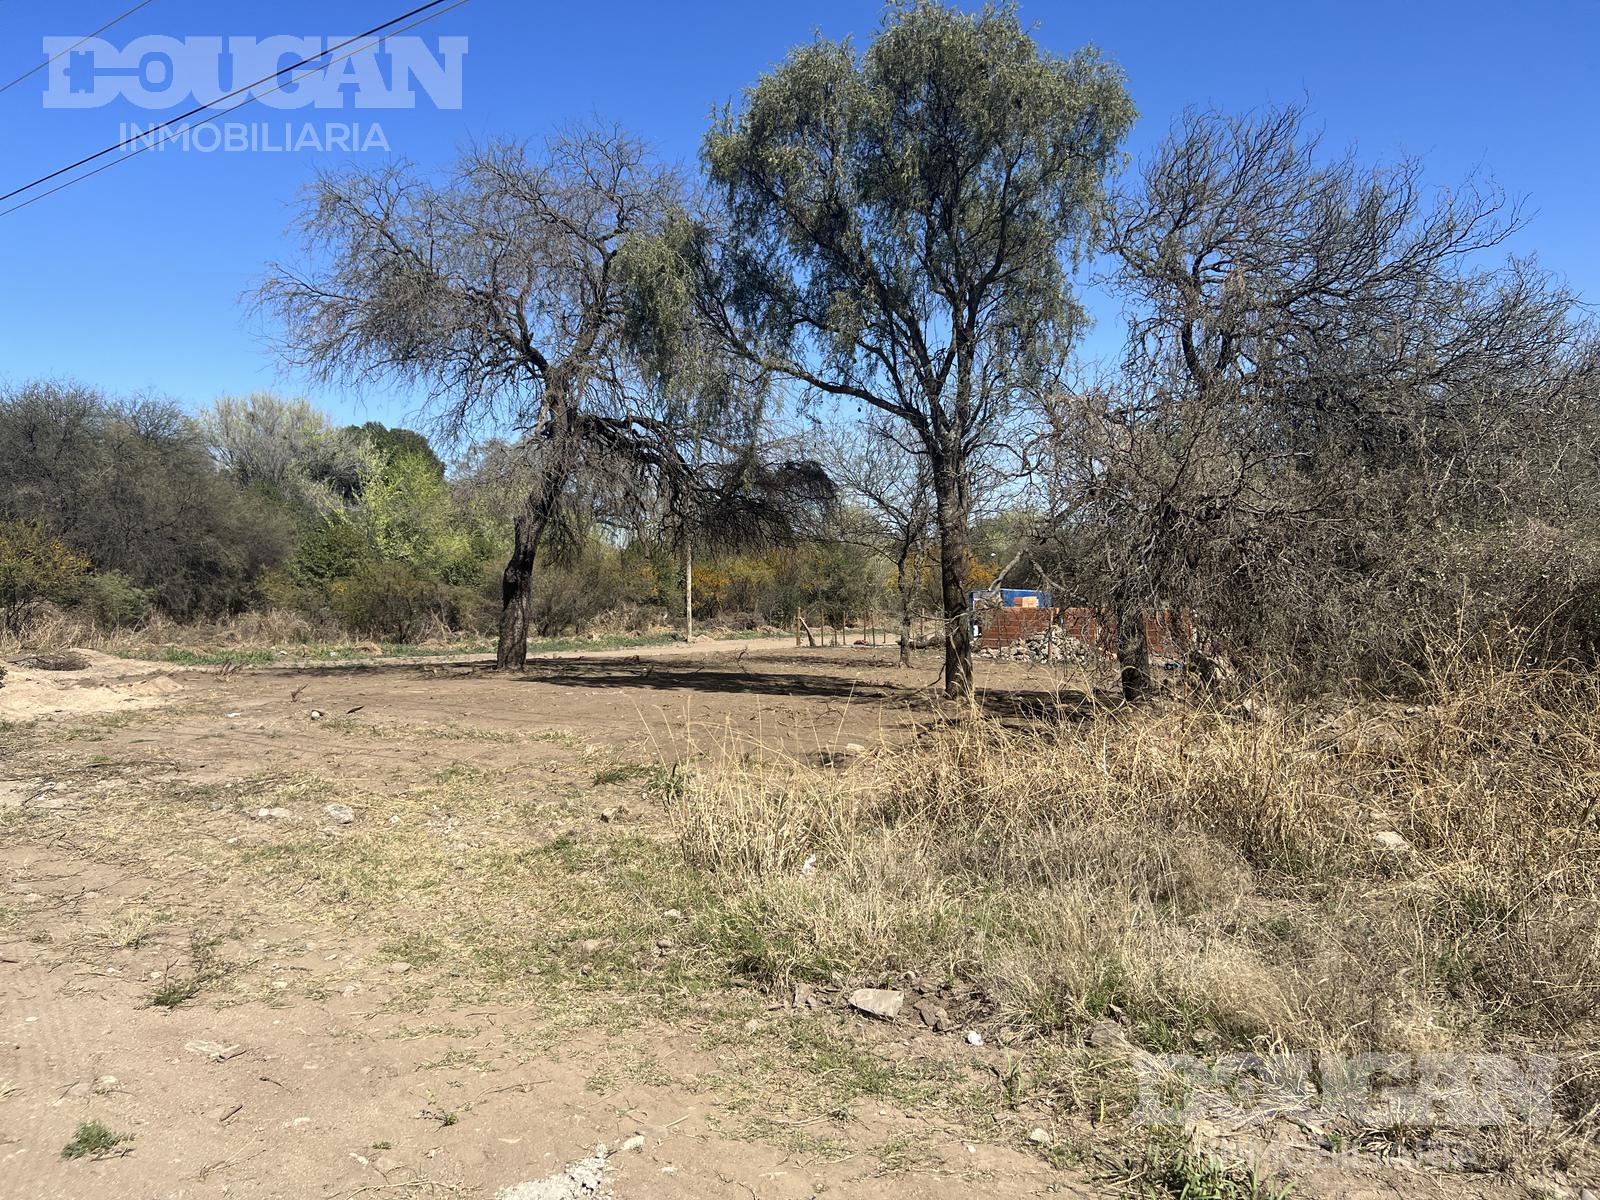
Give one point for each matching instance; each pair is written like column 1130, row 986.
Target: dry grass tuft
column 1195, row 871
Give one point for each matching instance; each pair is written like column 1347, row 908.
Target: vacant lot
column 415, row 928
column 469, row 980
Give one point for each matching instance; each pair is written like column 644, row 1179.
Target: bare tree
column 1304, row 334
column 495, row 291
column 288, row 445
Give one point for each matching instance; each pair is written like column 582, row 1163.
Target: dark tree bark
column 1133, row 655
column 516, row 584
column 950, row 499
column 902, row 587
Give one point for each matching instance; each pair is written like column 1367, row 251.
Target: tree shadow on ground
column 763, row 676
column 753, row 678
column 752, row 675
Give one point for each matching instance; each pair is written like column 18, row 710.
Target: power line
column 34, row 70
column 200, row 108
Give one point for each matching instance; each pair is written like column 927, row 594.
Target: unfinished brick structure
column 1000, row 626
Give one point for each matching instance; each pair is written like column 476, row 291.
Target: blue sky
column 131, row 281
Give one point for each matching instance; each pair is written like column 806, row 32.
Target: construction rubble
column 1044, row 646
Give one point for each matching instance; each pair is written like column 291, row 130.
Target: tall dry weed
column 1366, row 877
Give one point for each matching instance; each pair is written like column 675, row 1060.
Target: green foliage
column 92, row 1139
column 35, row 565
column 832, row 581
column 133, row 486
column 113, row 599
column 1172, row 1169
column 841, row 581
column 392, row 444
column 586, row 579
column 332, row 549
column 390, row 600
column 408, row 516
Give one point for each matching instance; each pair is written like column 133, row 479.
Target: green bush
column 333, row 549
column 390, row 601
column 113, row 599
column 34, row 565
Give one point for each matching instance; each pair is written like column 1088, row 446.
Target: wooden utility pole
column 688, row 590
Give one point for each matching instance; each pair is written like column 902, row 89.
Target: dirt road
column 417, row 929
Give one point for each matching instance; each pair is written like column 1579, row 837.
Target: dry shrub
column 628, row 618
column 39, row 625
column 271, row 627
column 1195, row 869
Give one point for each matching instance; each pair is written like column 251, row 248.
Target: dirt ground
column 412, row 928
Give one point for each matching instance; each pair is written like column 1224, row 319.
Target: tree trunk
column 516, row 584
column 1133, row 655
column 516, row 598
column 902, row 590
column 950, row 494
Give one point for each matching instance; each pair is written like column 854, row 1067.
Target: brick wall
column 1002, row 626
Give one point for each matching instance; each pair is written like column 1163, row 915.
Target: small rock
column 636, row 1142
column 224, row 1113
column 591, row 945
column 1107, row 1035
column 316, row 714
column 974, row 1038
column 805, row 996
column 672, row 914
column 215, row 1051
column 385, row 1163
column 341, row 814
column 854, row 748
column 932, row 1015
column 399, row 968
column 1039, row 1137
column 273, row 814
column 1388, row 839
column 877, row 1002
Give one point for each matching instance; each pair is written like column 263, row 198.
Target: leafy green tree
column 115, row 600
column 389, row 600
column 394, row 443
column 36, row 565
column 332, row 549
column 408, row 515
column 133, row 485
column 894, row 236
